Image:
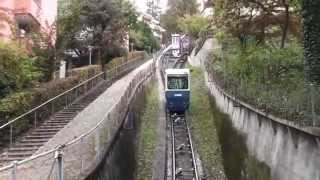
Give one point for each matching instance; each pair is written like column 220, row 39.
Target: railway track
column 184, row 166
column 180, row 63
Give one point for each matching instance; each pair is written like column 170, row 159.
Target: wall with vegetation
column 290, row 151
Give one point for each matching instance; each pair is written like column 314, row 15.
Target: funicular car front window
column 178, row 82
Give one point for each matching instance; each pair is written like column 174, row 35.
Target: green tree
column 193, row 24
column 100, row 23
column 260, row 20
column 142, row 37
column 311, row 39
column 177, row 9
column 17, row 69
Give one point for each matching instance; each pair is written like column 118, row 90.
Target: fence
column 298, row 106
column 11, row 130
column 73, row 159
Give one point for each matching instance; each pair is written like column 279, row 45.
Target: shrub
column 131, row 56
column 17, row 69
column 270, row 78
column 21, row 101
column 85, row 72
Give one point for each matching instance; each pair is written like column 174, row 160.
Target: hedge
column 131, row 56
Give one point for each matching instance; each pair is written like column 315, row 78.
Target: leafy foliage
column 44, row 50
column 311, row 40
column 142, row 37
column 260, row 19
column 177, row 9
column 17, row 69
column 268, row 77
column 193, row 25
column 100, row 23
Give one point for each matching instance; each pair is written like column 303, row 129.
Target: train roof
column 177, row 71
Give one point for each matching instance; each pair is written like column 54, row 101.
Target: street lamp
column 90, row 54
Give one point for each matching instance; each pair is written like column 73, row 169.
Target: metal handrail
column 48, row 101
column 77, row 139
column 62, row 94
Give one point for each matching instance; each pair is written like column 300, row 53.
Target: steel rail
column 192, row 150
column 173, row 149
column 194, row 164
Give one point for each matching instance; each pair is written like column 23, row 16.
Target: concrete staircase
column 34, row 139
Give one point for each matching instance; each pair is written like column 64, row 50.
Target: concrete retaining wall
column 103, row 117
column 291, row 152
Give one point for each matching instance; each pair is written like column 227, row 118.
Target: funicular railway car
column 177, row 90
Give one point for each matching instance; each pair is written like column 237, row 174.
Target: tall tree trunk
column 286, row 23
column 311, row 40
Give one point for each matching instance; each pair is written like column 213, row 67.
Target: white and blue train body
column 177, row 89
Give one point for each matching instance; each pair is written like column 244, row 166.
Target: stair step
column 43, row 133
column 19, row 154
column 38, row 144
column 64, row 116
column 77, row 105
column 57, row 123
column 18, row 149
column 52, row 126
column 60, row 120
column 34, row 141
column 10, row 159
column 47, row 130
column 74, row 108
column 75, row 111
column 39, row 136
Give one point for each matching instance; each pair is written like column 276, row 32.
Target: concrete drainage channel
column 121, row 157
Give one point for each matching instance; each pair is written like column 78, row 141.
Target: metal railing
column 76, row 152
column 48, row 108
column 299, row 107
column 15, row 127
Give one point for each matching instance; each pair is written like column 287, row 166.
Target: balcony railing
column 28, row 11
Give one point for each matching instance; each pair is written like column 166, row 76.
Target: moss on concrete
column 147, row 135
column 203, row 127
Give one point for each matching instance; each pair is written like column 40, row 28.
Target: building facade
column 21, row 17
column 150, row 12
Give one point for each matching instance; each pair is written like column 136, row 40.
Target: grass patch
column 147, row 135
column 203, row 127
